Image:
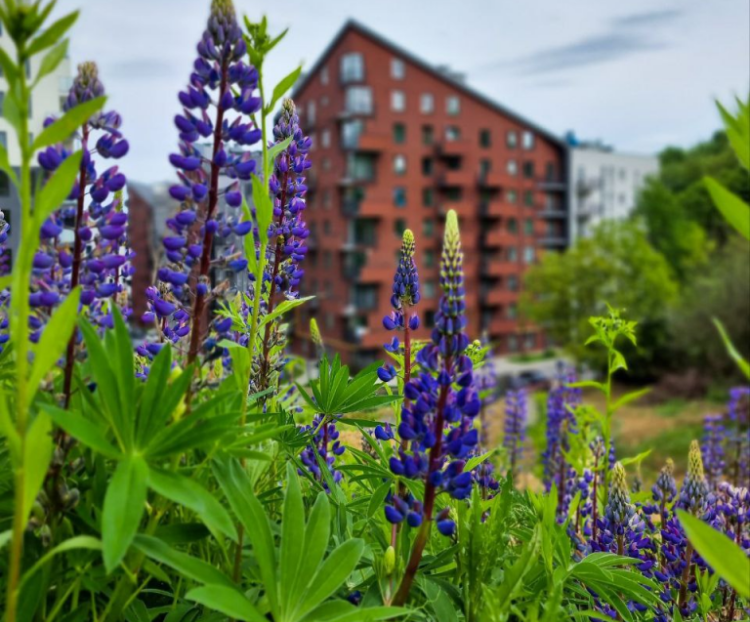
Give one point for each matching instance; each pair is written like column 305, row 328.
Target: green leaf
column 51, row 60
column 5, row 537
column 192, row 495
column 70, row 122
column 331, row 575
column 735, row 211
column 282, row 308
column 9, row 68
column 36, row 459
column 585, row 384
column 54, row 339
column 263, row 208
column 238, row 489
column 283, row 86
column 277, row 148
column 227, row 601
column 629, row 397
column 726, row 558
column 123, row 508
column 292, row 538
column 474, row 462
column 52, row 35
column 636, row 459
column 57, row 188
column 188, row 566
column 6, row 166
column 317, row 535
column 83, row 430
column 731, row 350
column 77, row 542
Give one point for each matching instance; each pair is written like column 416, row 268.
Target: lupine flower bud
column 619, row 509
column 694, row 490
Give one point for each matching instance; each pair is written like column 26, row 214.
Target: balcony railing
column 500, row 237
column 553, row 183
column 497, row 296
column 554, row 241
column 554, row 213
column 454, row 179
column 492, row 179
column 455, row 148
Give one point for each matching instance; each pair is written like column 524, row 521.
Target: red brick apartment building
column 396, row 144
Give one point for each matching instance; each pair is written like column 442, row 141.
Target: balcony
column 370, row 142
column 462, row 208
column 495, row 268
column 455, row 148
column 498, row 209
column 493, row 179
column 375, row 271
column 554, row 241
column 500, row 237
column 365, row 208
column 497, row 296
column 502, row 326
column 554, row 214
column 552, row 184
column 452, row 179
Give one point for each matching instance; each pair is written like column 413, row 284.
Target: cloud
column 624, row 36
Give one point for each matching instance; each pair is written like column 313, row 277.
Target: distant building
column 604, row 184
column 46, row 100
column 396, row 144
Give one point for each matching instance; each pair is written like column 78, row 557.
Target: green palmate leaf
column 277, row 148
column 57, row 188
column 53, row 34
column 284, row 307
column 514, row 575
column 238, row 489
column 263, row 208
column 195, row 497
column 70, row 122
column 54, row 339
column 77, row 542
column 188, row 566
column 331, row 574
column 283, row 86
column 727, row 559
column 83, row 430
column 227, row 601
column 735, row 210
column 123, row 508
column 731, row 350
column 52, row 60
column 36, row 459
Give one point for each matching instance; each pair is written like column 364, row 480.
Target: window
column 428, row 166
column 452, row 105
column 428, row 228
column 366, row 297
column 352, row 67
column 529, row 341
column 512, row 311
column 528, row 254
column 485, row 138
column 512, row 225
column 364, row 232
column 327, row 259
column 426, row 103
column 511, row 196
column 485, row 166
column 325, row 138
column 324, row 75
column 399, row 226
column 398, row 69
column 350, row 132
column 428, row 135
column 454, row 195
column 324, row 101
column 512, row 254
column 326, row 164
column 399, row 164
column 512, row 343
column 359, row 99
column 310, row 112
column 398, row 101
column 511, row 139
column 512, row 283
column 429, row 258
column 527, row 140
column 528, row 198
column 528, row 170
column 452, row 133
column 528, row 226
column 429, row 289
column 326, row 199
column 551, row 173
column 399, row 196
column 326, row 227
column 512, row 167
column 428, row 197
column 360, row 167
column 399, row 133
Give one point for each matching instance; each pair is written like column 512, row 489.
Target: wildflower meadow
column 203, row 473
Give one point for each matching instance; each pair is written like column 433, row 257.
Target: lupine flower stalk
column 738, row 416
column 99, row 223
column 437, row 420
column 712, row 448
column 222, row 80
column 515, row 427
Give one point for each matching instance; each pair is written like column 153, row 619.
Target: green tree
column 618, row 266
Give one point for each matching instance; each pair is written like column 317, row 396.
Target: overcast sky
column 638, row 74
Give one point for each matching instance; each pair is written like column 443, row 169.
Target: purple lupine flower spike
column 324, row 445
column 515, row 427
column 712, row 448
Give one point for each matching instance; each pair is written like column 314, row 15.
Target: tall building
column 604, row 184
column 396, row 144
column 46, row 100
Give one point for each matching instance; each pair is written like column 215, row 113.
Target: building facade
column 396, row 144
column 46, row 100
column 604, row 185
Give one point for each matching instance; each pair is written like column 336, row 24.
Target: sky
column 639, row 75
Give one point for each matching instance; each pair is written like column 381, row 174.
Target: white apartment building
column 46, row 101
column 603, row 185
